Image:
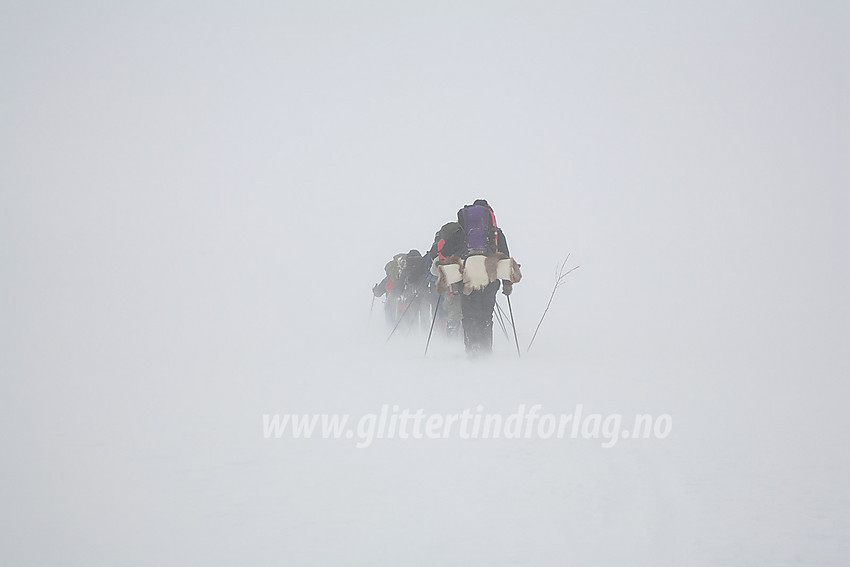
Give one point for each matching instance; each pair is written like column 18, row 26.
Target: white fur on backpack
column 451, row 273
column 476, row 272
column 504, row 269
column 475, row 275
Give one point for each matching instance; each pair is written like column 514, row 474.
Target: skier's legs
column 488, row 303
column 390, row 306
column 470, row 321
column 477, row 308
column 429, row 304
column 451, row 308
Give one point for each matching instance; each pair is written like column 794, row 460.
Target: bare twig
column 560, row 277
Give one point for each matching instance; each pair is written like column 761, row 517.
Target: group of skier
column 455, row 281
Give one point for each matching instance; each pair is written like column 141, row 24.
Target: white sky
column 163, row 155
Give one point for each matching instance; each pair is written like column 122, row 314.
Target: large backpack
column 394, row 266
column 478, row 222
column 414, row 271
column 449, row 241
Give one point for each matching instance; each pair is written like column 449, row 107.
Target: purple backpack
column 479, row 227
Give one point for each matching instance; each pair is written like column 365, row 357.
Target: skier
column 415, row 290
column 481, row 262
column 407, row 289
column 448, row 242
column 389, row 287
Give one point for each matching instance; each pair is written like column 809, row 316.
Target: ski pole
column 501, row 319
column 369, row 323
column 511, row 311
column 433, row 320
column 406, row 309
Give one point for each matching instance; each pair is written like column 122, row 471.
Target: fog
column 196, row 200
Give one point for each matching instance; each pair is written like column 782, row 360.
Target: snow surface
column 196, row 200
